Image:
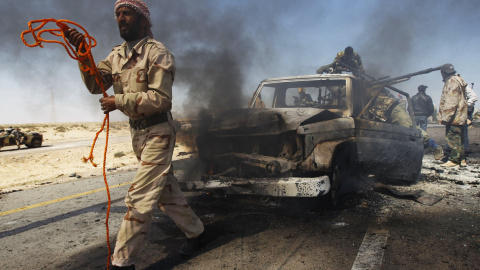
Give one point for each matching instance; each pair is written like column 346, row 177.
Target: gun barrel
column 406, row 77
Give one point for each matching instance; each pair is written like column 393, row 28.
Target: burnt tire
column 340, row 175
column 35, row 143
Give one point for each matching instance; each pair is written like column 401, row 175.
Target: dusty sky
column 223, row 49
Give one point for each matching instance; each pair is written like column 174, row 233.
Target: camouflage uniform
column 383, row 105
column 356, row 62
column 452, row 112
column 336, row 67
column 142, row 82
column 388, row 109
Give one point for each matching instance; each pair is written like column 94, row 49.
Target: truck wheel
column 35, row 143
column 338, row 177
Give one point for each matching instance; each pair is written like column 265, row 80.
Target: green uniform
column 388, row 109
column 455, row 137
column 355, row 62
column 336, row 67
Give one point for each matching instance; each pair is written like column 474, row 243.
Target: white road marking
column 370, row 253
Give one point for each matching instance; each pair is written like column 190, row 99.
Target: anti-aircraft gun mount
column 386, row 82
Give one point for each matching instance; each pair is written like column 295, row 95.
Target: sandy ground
column 28, row 168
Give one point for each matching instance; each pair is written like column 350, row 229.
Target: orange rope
column 86, row 66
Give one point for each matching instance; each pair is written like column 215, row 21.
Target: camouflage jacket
column 453, row 105
column 142, row 80
column 382, row 106
column 355, row 63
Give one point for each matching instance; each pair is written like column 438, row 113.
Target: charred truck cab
column 312, row 138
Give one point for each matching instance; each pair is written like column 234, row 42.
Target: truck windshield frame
column 322, row 94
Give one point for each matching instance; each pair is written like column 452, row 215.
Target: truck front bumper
column 277, row 187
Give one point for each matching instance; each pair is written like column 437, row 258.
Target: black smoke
column 398, row 33
column 213, row 51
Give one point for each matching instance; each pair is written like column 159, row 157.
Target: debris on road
column 417, row 195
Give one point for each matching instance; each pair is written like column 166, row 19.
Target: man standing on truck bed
column 422, row 105
column 452, row 113
column 142, row 71
column 346, row 60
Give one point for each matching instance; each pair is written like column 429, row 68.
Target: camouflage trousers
column 399, row 116
column 154, row 186
column 455, row 140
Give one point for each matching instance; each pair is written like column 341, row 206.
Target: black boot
column 193, row 245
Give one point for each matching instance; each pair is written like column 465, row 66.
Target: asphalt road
column 63, row 227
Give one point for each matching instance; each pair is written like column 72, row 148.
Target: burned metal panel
column 255, row 122
column 271, row 153
column 272, row 165
column 278, row 187
column 389, row 151
column 335, row 129
column 406, row 132
column 400, row 161
column 321, row 158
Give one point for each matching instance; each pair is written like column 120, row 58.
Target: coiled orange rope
column 86, row 66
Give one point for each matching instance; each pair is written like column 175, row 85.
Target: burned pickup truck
column 314, row 136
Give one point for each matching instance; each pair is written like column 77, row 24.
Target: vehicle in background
column 30, row 139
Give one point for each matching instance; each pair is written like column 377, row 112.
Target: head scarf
column 140, row 7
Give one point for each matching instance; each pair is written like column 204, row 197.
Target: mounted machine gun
column 386, row 82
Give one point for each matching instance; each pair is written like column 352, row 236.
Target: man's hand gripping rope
column 82, row 53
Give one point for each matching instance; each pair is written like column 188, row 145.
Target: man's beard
column 132, row 31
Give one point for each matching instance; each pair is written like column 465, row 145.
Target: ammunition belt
column 149, row 121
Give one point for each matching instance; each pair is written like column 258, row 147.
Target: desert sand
column 28, row 168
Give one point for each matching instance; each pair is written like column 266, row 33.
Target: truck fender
column 322, row 156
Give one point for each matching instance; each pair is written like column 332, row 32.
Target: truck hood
column 268, row 121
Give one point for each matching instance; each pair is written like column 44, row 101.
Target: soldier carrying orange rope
column 142, row 72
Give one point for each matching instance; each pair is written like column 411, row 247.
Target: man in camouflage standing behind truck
column 452, row 113
column 142, row 71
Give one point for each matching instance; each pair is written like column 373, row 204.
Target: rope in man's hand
column 82, row 53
